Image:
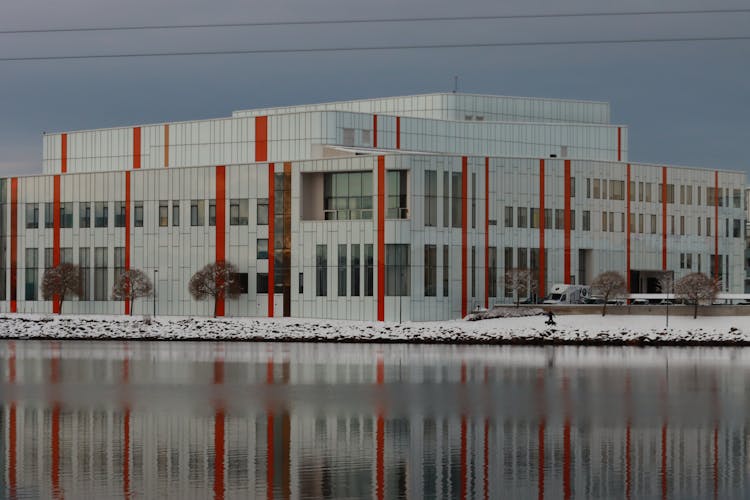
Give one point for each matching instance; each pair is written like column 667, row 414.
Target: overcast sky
column 685, row 103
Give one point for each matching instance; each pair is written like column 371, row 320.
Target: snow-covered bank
column 573, row 329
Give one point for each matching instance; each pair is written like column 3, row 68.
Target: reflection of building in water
column 281, row 429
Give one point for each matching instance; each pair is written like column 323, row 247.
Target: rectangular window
column 48, row 258
column 242, row 282
column 708, row 226
column 572, row 220
column 632, row 222
column 321, row 270
column 355, row 288
column 604, row 189
column 119, row 266
column 66, row 255
column 699, row 226
column 682, row 225
column 175, row 213
column 699, row 196
column 648, row 192
column 239, row 211
column 492, row 271
column 682, row 194
column 523, row 262
column 586, row 222
column 101, row 214
column 342, row 271
column 508, row 216
column 430, row 270
column 572, row 187
column 261, row 283
column 32, row 215
column 612, row 221
column 32, row 274
column 736, row 198
column 508, row 265
column 197, row 212
column 138, row 214
column 640, row 191
column 548, row 218
column 49, row 215
column 473, row 271
column 446, row 270
column 534, row 218
column 682, row 261
column 66, row 215
column 446, row 199
column 559, row 218
column 653, row 224
column 616, row 190
column 369, row 269
column 671, row 224
column 119, row 214
column 211, row 212
column 84, row 214
column 596, row 189
column 456, row 204
column 632, row 190
column 101, row 288
column 262, row 211
column 473, row 200
column 347, row 195
column 736, row 228
column 689, row 195
column 163, row 213
column 523, row 217
column 301, row 284
column 397, row 270
column 262, row 248
column 588, row 190
column 710, row 196
column 84, row 267
column 430, row 198
column 396, row 198
column 604, row 221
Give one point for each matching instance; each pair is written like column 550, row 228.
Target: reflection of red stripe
column 271, row 237
column 379, row 460
column 218, row 371
column 219, row 455
column 136, row 147
column 566, row 224
column 540, row 461
column 716, row 225
column 398, row 132
column 220, row 227
column 381, row 238
column 627, row 461
column 664, row 218
column 374, row 131
column 627, row 229
column 380, row 371
column 127, row 232
column 566, row 459
column 464, row 230
column 64, row 153
column 56, row 492
column 542, row 262
column 261, row 138
column 464, row 465
column 487, row 232
column 269, row 371
column 56, row 235
column 13, row 243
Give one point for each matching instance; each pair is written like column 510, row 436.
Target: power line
column 372, row 21
column 379, row 48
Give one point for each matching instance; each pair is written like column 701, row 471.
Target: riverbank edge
column 485, row 332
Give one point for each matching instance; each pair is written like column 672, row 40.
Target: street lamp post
column 156, row 272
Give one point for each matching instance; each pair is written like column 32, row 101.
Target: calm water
column 230, row 420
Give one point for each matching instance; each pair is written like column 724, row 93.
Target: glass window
column 84, row 214
column 32, row 274
column 321, row 270
column 597, row 190
column 446, row 199
column 242, row 282
column 736, row 228
column 534, row 218
column 211, row 212
column 588, row 193
column 101, row 214
column 261, row 283
column 572, row 189
column 632, row 190
column 473, row 200
column 49, row 215
column 617, row 190
column 175, row 213
column 197, row 212
column 66, row 215
column 586, row 222
column 653, row 224
column 262, row 248
column 736, row 198
column 48, row 258
column 640, row 223
column 163, row 213
column 396, row 203
column 119, row 266
column 119, row 214
column 369, row 269
column 138, row 214
column 239, row 210
column 548, row 218
column 446, row 270
column 84, row 266
column 473, row 271
column 559, row 218
column 32, row 215
column 689, row 195
column 342, row 271
column 523, row 217
column 262, row 212
column 430, row 198
column 66, row 255
column 604, row 221
column 347, row 195
column 492, row 271
column 572, row 220
column 640, row 191
column 648, row 192
column 456, row 202
column 355, row 288
column 508, row 216
column 101, row 290
column 682, row 225
column 397, row 270
column 430, row 270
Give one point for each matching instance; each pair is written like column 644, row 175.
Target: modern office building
column 397, row 208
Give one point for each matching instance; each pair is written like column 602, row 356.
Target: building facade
column 408, row 208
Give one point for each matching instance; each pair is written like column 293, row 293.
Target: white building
column 398, row 208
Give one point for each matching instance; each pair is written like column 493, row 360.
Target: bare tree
column 665, row 282
column 215, row 280
column 610, row 285
column 522, row 281
column 60, row 281
column 695, row 288
column 130, row 285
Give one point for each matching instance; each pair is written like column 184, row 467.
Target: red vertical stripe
column 381, row 238
column 664, row 218
column 261, row 138
column 221, row 224
column 271, row 229
column 136, row 147
column 487, row 232
column 716, row 224
column 627, row 229
column 398, row 132
column 127, row 232
column 63, row 153
column 542, row 263
column 374, row 131
column 619, row 143
column 566, row 224
column 56, row 236
column 13, row 243
column 464, row 230
column 126, row 456
column 219, row 455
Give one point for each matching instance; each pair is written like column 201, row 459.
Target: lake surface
column 251, row 420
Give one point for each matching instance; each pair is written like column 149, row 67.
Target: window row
column 351, row 261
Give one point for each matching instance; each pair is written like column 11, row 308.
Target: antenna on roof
column 455, row 84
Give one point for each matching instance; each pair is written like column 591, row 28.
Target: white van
column 567, row 294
